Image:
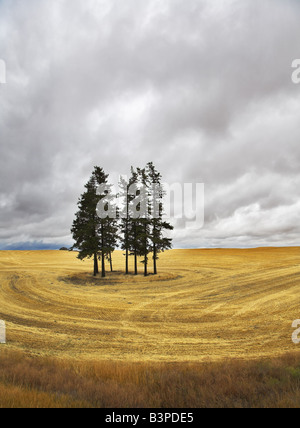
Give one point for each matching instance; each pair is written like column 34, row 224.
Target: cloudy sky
column 202, row 88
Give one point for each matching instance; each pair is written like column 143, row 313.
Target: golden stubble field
column 204, row 305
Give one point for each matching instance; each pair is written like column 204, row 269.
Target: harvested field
column 204, row 305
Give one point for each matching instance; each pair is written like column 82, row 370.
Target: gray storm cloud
column 201, row 88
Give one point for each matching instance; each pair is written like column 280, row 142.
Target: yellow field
column 205, row 305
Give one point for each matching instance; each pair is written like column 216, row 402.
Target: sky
column 202, row 88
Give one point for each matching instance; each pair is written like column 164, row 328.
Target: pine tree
column 159, row 242
column 95, row 236
column 142, row 226
column 131, row 223
column 127, row 220
column 111, row 237
column 108, row 222
column 144, row 222
column 86, row 224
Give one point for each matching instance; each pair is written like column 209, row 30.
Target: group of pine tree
column 140, row 236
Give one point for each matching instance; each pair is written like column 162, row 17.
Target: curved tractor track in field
column 204, row 305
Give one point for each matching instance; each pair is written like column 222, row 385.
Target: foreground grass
column 47, row 383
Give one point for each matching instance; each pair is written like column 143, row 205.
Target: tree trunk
column 96, row 267
column 135, row 263
column 154, row 260
column 145, row 252
column 135, row 251
column 103, row 265
column 154, row 249
column 126, row 232
column 127, row 268
column 110, row 261
column 102, row 252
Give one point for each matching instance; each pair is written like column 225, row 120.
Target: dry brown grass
column 44, row 382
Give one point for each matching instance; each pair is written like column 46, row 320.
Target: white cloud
column 203, row 89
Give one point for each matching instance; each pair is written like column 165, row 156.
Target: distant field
column 205, row 305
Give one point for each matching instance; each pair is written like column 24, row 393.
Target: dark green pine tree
column 110, row 239
column 136, row 225
column 109, row 230
column 127, row 222
column 108, row 222
column 144, row 221
column 136, row 243
column 159, row 225
column 94, row 236
column 86, row 224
